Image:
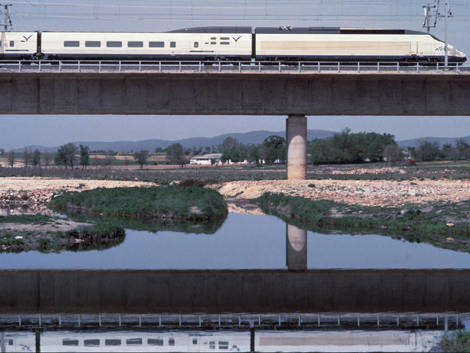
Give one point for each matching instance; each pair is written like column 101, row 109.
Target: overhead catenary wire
column 248, row 10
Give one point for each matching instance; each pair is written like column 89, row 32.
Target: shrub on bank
column 188, row 203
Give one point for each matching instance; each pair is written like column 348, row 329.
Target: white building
column 208, row 159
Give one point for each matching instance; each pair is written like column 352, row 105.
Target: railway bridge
column 201, row 88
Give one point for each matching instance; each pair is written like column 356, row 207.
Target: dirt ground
column 361, row 192
column 37, row 183
column 31, row 195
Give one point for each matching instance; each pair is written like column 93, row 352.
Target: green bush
column 194, row 203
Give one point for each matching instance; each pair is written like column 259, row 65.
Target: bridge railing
column 215, row 67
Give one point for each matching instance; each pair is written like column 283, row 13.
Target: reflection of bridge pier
column 296, row 248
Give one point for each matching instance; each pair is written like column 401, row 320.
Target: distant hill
column 440, row 140
column 253, row 137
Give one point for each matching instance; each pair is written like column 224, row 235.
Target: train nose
column 462, row 56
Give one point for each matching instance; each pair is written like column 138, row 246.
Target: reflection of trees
column 155, row 225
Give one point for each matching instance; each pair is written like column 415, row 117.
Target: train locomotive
column 233, row 43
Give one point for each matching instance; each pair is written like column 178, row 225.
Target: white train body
column 352, row 45
column 233, row 43
column 22, row 45
column 146, row 46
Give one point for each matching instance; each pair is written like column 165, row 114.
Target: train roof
column 331, row 30
column 213, row 30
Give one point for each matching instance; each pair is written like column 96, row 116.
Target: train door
column 414, row 47
column 3, row 40
column 194, row 343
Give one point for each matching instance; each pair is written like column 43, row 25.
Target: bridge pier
column 296, row 136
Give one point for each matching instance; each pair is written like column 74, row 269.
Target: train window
column 12, row 43
column 69, row 342
column 213, row 38
column 135, row 44
column 172, row 44
column 224, row 43
column 196, row 44
column 0, row 43
column 71, row 43
column 171, row 342
column 157, row 44
column 134, row 341
column 213, row 43
column 224, row 38
column 92, row 343
column 113, row 44
column 112, row 342
column 155, row 342
column 10, row 342
column 194, row 340
column 223, row 345
column 212, row 344
column 93, row 44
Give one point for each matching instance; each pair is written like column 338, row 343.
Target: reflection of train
column 221, row 341
column 235, row 43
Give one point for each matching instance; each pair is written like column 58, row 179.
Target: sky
column 158, row 16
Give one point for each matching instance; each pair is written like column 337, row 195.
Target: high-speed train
column 233, row 43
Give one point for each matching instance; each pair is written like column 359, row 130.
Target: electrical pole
column 6, row 17
column 428, row 16
column 446, row 66
column 427, row 20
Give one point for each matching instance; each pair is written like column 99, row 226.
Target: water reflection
column 296, row 248
column 154, row 225
column 243, row 242
column 220, row 341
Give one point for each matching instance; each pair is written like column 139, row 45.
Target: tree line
column 431, row 151
column 341, row 148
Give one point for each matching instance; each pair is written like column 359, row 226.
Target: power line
column 208, row 10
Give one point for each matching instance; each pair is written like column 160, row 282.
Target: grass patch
column 457, row 341
column 29, row 219
column 189, row 203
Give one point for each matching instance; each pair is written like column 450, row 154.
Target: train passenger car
column 351, row 45
column 18, row 45
column 206, row 43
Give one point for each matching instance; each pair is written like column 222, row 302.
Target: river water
column 244, row 242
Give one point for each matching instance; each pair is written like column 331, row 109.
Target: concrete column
column 296, row 131
column 296, row 248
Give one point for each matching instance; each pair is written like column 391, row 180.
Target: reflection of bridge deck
column 234, row 291
column 237, row 321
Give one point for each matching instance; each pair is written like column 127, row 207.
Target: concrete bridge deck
column 234, row 94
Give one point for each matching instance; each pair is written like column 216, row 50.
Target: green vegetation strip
column 174, row 202
column 420, row 220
